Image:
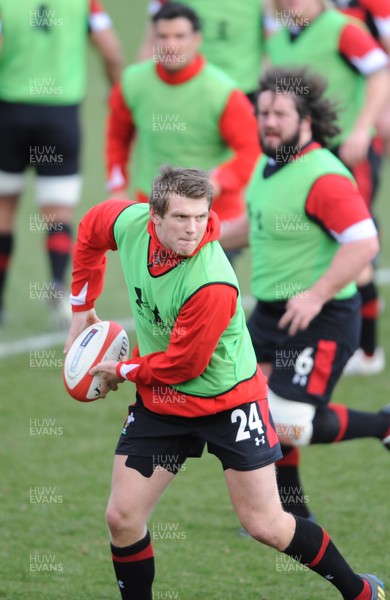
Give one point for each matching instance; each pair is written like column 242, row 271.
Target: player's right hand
column 80, row 321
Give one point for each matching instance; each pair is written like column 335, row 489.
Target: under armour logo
column 131, row 418
column 259, row 441
column 300, row 380
column 121, row 584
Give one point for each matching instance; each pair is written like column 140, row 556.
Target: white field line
column 48, row 340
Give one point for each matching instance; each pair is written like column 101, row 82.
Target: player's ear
column 198, row 38
column 306, row 124
column 154, row 217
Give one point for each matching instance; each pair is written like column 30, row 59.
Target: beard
column 283, row 152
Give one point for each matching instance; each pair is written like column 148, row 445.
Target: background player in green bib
column 314, row 34
column 178, row 109
column 310, row 234
column 223, row 44
column 196, row 377
column 42, row 82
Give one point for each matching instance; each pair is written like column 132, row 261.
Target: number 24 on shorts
column 253, row 422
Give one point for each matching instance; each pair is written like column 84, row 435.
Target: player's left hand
column 300, row 311
column 107, row 372
column 355, row 148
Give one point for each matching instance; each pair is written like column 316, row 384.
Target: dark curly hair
column 307, row 90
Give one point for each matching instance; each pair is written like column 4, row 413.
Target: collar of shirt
column 272, row 166
column 182, row 75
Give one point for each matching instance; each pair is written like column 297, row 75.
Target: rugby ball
column 105, row 340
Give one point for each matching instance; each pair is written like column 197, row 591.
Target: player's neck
column 313, row 11
column 181, row 75
column 302, row 19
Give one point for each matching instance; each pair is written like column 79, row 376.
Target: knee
column 114, row 518
column 293, row 420
column 276, row 532
column 326, row 423
column 121, row 522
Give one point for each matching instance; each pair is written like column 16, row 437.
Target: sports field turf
column 56, row 454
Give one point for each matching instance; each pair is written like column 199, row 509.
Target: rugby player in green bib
column 196, row 377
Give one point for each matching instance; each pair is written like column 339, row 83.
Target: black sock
column 290, row 488
column 370, row 313
column 134, row 569
column 337, row 423
column 312, row 546
column 6, row 247
column 59, row 249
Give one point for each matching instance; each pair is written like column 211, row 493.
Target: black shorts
column 306, row 366
column 46, row 138
column 243, row 438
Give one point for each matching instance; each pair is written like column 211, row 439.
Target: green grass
column 347, row 484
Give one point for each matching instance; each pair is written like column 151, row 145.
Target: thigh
column 15, row 135
column 255, row 499
column 134, row 494
column 253, row 492
column 264, row 331
column 57, row 141
column 152, row 442
column 307, row 366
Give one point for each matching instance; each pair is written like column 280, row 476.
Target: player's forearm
column 377, row 96
column 194, row 337
column 385, row 41
column 117, row 155
column 348, row 262
column 109, row 47
column 120, row 132
column 234, row 234
column 146, row 49
column 238, row 129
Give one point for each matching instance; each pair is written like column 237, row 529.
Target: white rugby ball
column 105, row 340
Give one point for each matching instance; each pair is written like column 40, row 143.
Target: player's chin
column 187, row 248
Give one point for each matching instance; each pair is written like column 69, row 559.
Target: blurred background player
column 312, row 33
column 375, row 14
column 307, row 247
column 223, row 43
column 178, row 109
column 42, row 83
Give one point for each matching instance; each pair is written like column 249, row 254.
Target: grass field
column 57, row 454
